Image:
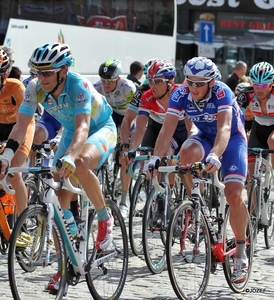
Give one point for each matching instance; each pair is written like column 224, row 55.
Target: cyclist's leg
column 95, row 151
column 234, row 170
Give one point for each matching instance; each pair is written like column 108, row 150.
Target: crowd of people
column 202, row 119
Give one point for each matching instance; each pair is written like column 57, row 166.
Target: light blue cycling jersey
column 78, row 96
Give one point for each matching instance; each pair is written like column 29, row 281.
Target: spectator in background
column 15, row 72
column 136, row 72
column 239, row 71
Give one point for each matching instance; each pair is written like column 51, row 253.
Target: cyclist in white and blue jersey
column 212, row 107
column 89, row 133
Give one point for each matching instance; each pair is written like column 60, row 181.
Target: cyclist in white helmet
column 212, row 107
column 89, row 133
column 119, row 94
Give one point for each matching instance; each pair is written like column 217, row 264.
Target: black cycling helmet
column 110, row 69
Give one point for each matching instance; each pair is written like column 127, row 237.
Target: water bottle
column 71, row 222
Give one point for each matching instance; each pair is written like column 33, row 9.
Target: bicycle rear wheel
column 188, row 272
column 106, row 280
column 230, row 243
column 136, row 212
column 253, row 209
column 27, row 271
column 154, row 233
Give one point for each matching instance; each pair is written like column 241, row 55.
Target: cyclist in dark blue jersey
column 212, row 107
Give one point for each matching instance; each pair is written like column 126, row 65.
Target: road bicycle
column 104, row 270
column 261, row 196
column 197, row 240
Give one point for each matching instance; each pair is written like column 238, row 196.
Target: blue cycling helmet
column 161, row 68
column 148, row 64
column 262, row 72
column 201, row 67
column 51, row 55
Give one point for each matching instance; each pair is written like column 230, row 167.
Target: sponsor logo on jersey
column 81, row 97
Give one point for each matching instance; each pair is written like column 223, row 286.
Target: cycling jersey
column 220, row 99
column 77, row 97
column 151, row 107
column 120, row 97
column 248, row 99
column 134, row 104
column 11, row 98
column 204, row 115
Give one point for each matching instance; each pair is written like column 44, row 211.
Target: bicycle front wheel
column 253, row 209
column 27, row 270
column 154, row 233
column 269, row 201
column 188, row 268
column 229, row 244
column 136, row 212
column 106, row 279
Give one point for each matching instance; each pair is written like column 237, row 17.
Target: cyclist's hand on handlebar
column 3, row 167
column 212, row 163
column 151, row 167
column 68, row 166
column 129, row 156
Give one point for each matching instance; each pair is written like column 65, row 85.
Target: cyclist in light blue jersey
column 212, row 107
column 89, row 133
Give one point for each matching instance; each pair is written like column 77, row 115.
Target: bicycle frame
column 216, row 237
column 76, row 248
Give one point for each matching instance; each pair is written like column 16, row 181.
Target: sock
column 240, row 249
column 123, row 198
column 102, row 214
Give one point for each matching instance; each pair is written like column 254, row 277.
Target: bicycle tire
column 136, row 167
column 153, row 236
column 229, row 243
column 34, row 196
column 27, row 283
column 189, row 274
column 269, row 230
column 253, row 209
column 136, row 212
column 107, row 280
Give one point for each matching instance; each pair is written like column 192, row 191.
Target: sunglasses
column 197, row 84
column 108, row 80
column 47, row 73
column 260, row 85
column 157, row 81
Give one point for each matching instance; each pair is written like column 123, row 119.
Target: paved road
column 141, row 284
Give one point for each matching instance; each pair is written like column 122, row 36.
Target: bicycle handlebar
column 194, row 169
column 258, row 151
column 67, row 182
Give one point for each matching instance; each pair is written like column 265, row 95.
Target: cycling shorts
column 49, row 124
column 152, row 132
column 234, row 158
column 104, row 139
column 259, row 135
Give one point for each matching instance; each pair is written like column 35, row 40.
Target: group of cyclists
column 200, row 120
